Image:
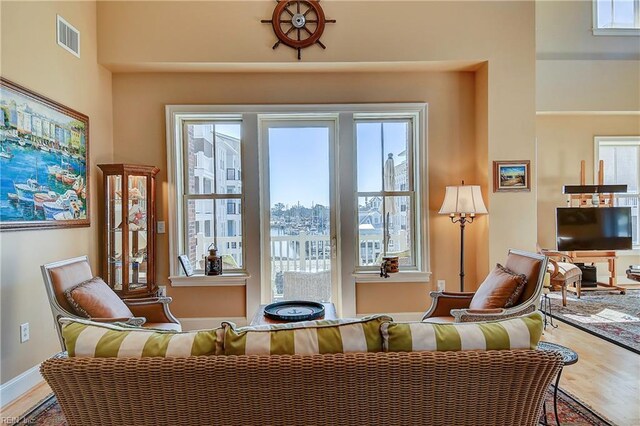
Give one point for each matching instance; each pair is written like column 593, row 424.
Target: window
column 621, row 156
column 368, row 217
column 616, row 17
column 207, row 186
column 208, row 201
column 386, row 198
column 231, row 207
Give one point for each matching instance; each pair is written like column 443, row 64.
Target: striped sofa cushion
column 84, row 338
column 309, row 337
column 515, row 333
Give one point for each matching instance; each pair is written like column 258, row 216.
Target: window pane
column 627, row 167
column 370, row 230
column 229, row 232
column 399, row 227
column 369, row 156
column 603, row 8
column 198, row 231
column 396, row 146
column 608, row 155
column 212, row 161
column 623, row 15
column 199, row 158
column 228, row 158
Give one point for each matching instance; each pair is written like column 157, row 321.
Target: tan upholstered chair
column 152, row 312
column 564, row 275
column 454, row 306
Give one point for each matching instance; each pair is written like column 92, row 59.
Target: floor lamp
column 462, row 203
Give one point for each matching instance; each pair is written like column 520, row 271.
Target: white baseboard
column 209, row 322
column 19, row 385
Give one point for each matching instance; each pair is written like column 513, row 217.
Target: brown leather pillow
column 95, row 299
column 501, row 289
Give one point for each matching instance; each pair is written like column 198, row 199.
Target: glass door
column 298, row 194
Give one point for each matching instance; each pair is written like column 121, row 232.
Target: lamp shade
column 463, row 199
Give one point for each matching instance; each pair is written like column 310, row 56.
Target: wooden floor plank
column 26, row 402
column 606, row 377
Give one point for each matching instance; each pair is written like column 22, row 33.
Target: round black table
column 569, row 357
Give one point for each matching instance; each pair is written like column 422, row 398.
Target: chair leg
column 564, row 293
column 578, row 288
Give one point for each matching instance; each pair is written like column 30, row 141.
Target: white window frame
column 413, row 174
column 346, row 176
column 617, row 141
column 176, row 151
column 613, row 31
column 265, row 122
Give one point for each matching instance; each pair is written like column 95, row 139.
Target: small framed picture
column 186, row 264
column 511, row 176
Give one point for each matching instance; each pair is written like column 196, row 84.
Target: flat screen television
column 593, row 228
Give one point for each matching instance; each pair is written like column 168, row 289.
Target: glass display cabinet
column 129, row 222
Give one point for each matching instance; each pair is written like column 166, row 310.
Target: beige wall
column 31, row 57
column 563, row 141
column 228, row 35
column 139, row 133
column 578, row 71
column 217, row 36
column 589, row 85
column 564, row 32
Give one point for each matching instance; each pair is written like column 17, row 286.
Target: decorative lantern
column 390, row 265
column 213, row 265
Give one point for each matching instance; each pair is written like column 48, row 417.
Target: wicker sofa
column 426, row 388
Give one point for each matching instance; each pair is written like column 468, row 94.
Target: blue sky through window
column 299, row 165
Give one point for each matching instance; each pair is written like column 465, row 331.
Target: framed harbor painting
column 511, row 176
column 44, row 167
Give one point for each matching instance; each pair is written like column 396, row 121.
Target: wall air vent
column 68, row 36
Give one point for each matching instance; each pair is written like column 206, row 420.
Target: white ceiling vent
column 68, row 36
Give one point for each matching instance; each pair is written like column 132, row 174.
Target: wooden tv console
column 597, row 257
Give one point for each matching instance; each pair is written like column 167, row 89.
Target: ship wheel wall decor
column 298, row 23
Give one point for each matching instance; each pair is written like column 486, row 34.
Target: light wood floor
column 25, row 403
column 606, row 377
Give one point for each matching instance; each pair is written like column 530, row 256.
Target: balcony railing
column 301, row 253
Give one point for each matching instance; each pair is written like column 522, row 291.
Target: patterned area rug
column 570, row 410
column 611, row 316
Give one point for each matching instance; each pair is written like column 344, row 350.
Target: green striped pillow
column 515, row 333
column 309, row 337
column 84, row 338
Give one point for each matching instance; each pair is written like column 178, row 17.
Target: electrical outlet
column 160, row 227
column 24, row 332
column 162, row 290
column 441, row 285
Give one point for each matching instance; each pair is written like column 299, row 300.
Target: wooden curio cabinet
column 128, row 264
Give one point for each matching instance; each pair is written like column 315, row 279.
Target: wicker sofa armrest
column 443, row 302
column 479, row 315
column 154, row 309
